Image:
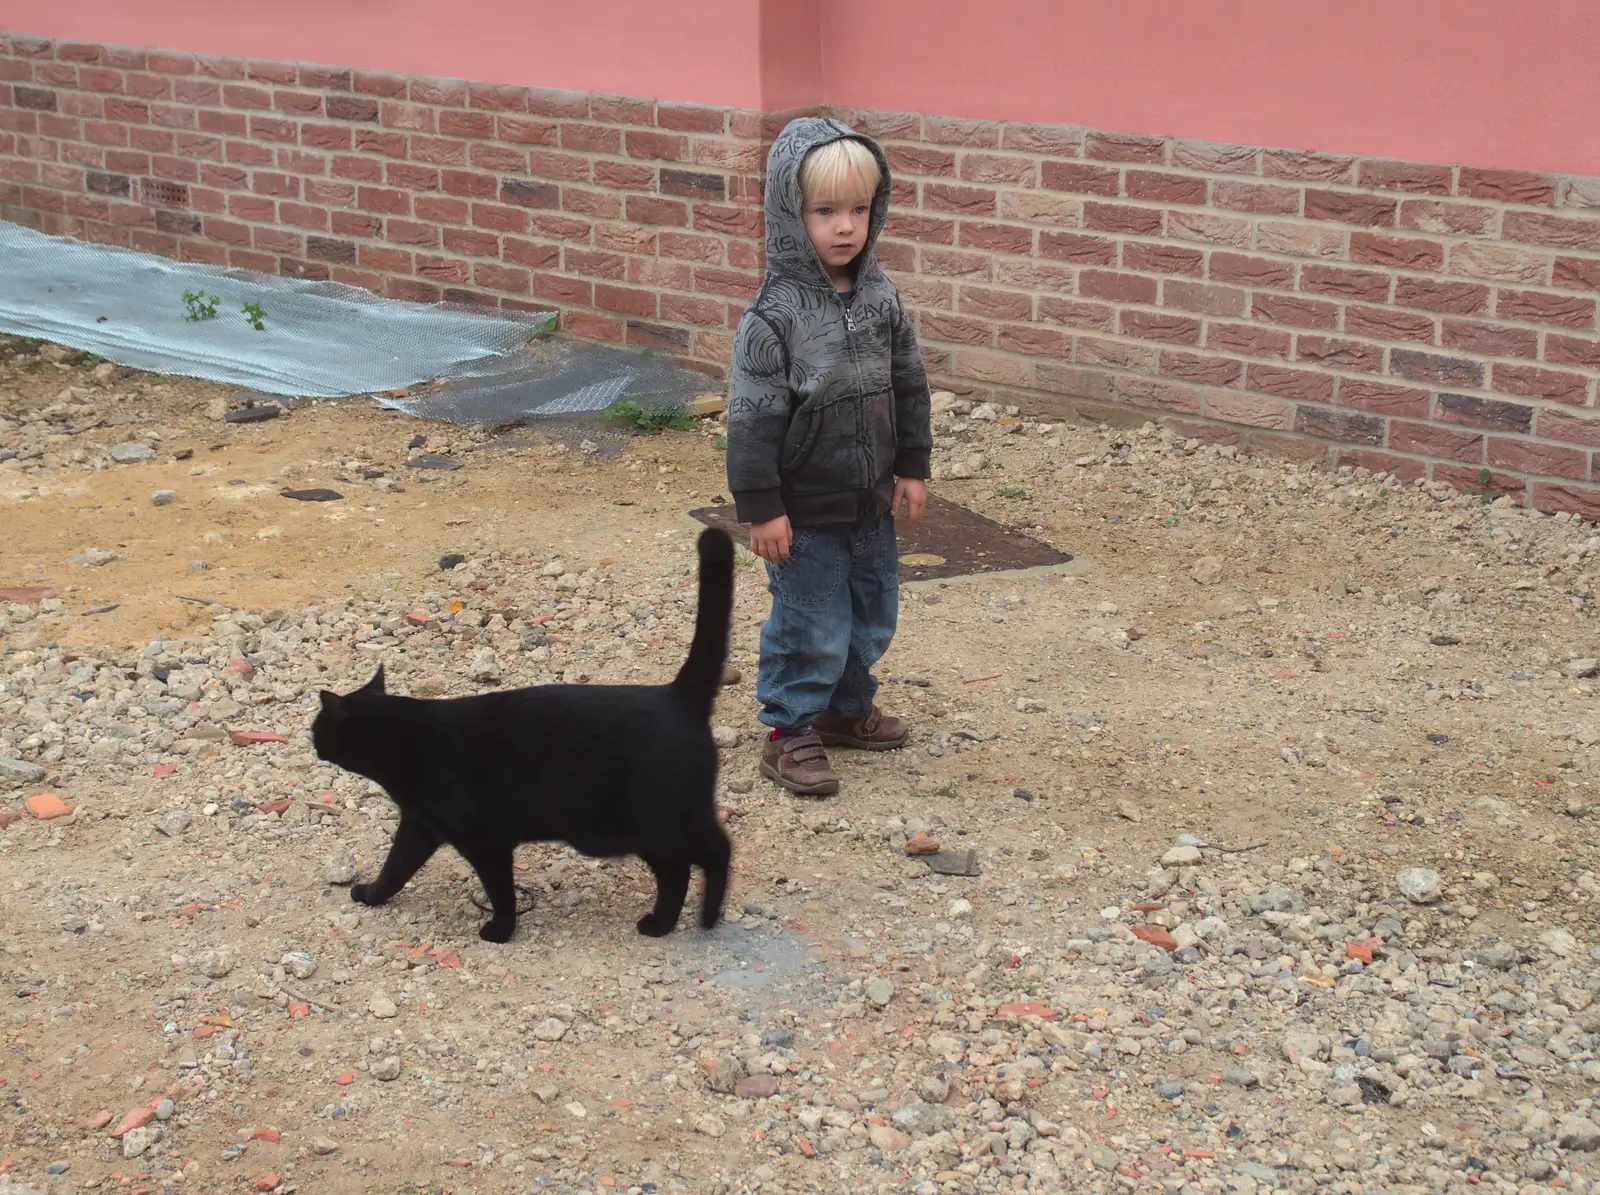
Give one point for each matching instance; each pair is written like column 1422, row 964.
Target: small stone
column 215, row 964
column 324, row 1145
column 340, row 866
column 434, row 460
column 1170, row 1090
column 300, row 964
column 923, row 1120
column 879, row 992
column 887, row 1139
column 1579, row 1132
column 725, row 737
column 132, row 452
column 550, row 1029
column 709, row 1126
column 756, row 1087
column 449, row 561
column 959, row 909
column 1129, row 812
column 935, row 1088
column 174, row 822
column 1581, row 669
column 94, row 557
column 165, row 1109
column 163, row 497
column 1157, row 936
column 922, row 844
column 1237, row 1076
column 1559, row 942
column 46, row 806
column 135, row 1142
column 1182, row 856
column 19, row 771
column 725, row 1073
column 383, row 1008
column 386, row 1070
column 485, row 666
column 1207, row 570
column 1419, row 885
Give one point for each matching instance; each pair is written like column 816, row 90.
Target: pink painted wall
column 1485, row 82
column 700, row 51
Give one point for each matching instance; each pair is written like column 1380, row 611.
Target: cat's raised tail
column 701, row 675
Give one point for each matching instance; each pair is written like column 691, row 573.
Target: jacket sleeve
column 913, row 420
column 758, row 419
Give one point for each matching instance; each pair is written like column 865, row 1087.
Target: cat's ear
column 333, row 706
column 375, row 685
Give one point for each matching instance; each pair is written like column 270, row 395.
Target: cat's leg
column 413, row 846
column 714, row 856
column 493, row 865
column 672, row 886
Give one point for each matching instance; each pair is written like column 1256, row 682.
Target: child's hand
column 910, row 499
column 771, row 540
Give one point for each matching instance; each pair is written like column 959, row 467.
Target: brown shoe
column 800, row 765
column 875, row 732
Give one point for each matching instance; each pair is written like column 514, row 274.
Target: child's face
column 838, row 230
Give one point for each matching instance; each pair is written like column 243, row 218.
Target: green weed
column 256, row 315
column 201, row 305
column 647, row 419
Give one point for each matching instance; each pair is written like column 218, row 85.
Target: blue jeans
column 835, row 602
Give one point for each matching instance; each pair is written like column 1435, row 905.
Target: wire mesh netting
column 327, row 340
column 318, row 339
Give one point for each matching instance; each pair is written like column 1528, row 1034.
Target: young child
column 829, row 440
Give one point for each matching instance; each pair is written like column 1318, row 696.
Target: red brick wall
column 1428, row 320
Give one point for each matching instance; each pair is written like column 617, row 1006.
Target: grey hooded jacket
column 828, row 404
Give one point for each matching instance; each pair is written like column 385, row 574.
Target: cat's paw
column 495, row 930
column 366, row 894
column 652, row 926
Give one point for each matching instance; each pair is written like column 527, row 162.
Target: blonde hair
column 842, row 169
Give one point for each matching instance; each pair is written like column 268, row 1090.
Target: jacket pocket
column 831, row 450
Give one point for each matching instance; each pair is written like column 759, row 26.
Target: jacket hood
column 790, row 255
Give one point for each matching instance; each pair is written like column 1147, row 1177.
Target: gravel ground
column 1283, row 812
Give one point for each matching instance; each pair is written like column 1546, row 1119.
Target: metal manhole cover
column 951, row 541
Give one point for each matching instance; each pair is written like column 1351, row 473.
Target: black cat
column 610, row 769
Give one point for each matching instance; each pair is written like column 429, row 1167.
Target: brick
column 1577, row 273
column 252, row 207
column 1434, row 367
column 1156, row 392
column 1124, row 147
column 1092, row 384
column 995, row 304
column 1075, row 247
column 994, row 238
column 1477, row 481
column 1209, row 229
column 1205, row 298
column 1408, row 253
column 1580, row 500
column 325, row 78
column 358, row 169
column 331, row 250
column 1290, row 383
column 1162, row 259
column 416, row 118
column 1035, row 207
column 1502, row 263
column 1264, row 198
column 447, row 93
column 1386, row 323
column 1249, row 340
column 1366, row 285
column 498, row 218
column 1299, row 240
column 1336, row 353
column 1404, row 469
column 1555, row 424
column 326, row 137
column 1429, row 439
column 1383, row 398
column 1123, row 218
column 587, row 138
column 1117, row 287
column 1162, row 187
column 382, row 199
column 527, row 193
column 686, row 309
column 947, row 130
column 1307, row 167
column 1530, row 456
column 657, row 336
column 625, row 176
column 973, row 201
column 519, row 129
column 1346, row 427
column 1076, row 313
column 667, row 212
column 1058, row 141
column 491, row 276
column 955, row 329
column 610, row 266
column 102, row 183
column 1492, row 413
column 1248, row 410
column 412, row 178
column 1490, row 340
column 1201, row 368
column 1561, row 232
column 380, row 84
column 1080, row 178
column 398, row 145
column 1249, row 271
column 1293, row 311
column 1034, row 341
column 948, row 263
column 473, row 184
column 991, row 367
column 1455, row 298
column 503, row 159
column 471, row 243
column 691, row 118
column 1571, row 350
column 732, row 283
column 1447, row 217
column 355, row 224
column 1216, row 158
column 34, row 99
column 693, row 185
column 1567, row 311
column 378, row 257
column 1507, row 186
column 920, row 228
column 730, row 221
column 242, row 96
column 351, row 107
column 1126, row 355
column 1533, row 382
column 280, row 240
column 688, row 247
column 1154, row 325
column 998, row 168
column 666, row 147
column 1406, row 176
